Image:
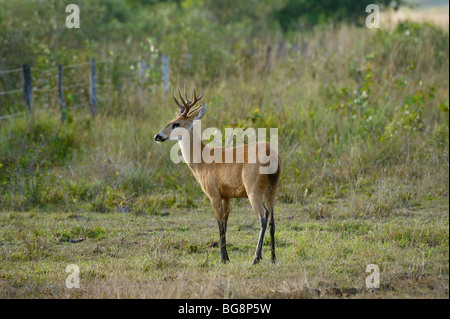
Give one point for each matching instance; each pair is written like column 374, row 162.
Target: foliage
column 362, row 118
column 349, row 116
column 27, row 153
column 309, row 13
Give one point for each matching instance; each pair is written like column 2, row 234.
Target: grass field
column 321, row 254
column 437, row 14
column 362, row 117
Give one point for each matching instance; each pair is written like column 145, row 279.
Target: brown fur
column 223, row 181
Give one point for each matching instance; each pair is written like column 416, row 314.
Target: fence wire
column 11, row 115
column 10, row 71
column 10, row 92
column 42, row 76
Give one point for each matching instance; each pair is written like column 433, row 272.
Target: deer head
column 185, row 118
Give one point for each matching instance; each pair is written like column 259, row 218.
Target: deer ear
column 201, row 112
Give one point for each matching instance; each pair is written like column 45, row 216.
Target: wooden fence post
column 93, row 89
column 268, row 59
column 281, row 53
column 165, row 72
column 188, row 61
column 62, row 101
column 28, row 91
column 142, row 66
column 304, row 47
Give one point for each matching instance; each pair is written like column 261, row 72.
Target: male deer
column 223, row 181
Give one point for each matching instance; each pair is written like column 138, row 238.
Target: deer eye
column 175, row 125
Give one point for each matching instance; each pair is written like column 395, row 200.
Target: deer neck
column 192, row 150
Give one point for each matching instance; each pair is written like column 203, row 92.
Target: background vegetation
column 363, row 132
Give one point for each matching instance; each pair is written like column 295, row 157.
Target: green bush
column 28, row 151
column 307, row 13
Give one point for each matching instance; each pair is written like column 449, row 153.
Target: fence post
column 93, row 89
column 61, row 99
column 304, row 47
column 268, row 59
column 282, row 52
column 142, row 66
column 165, row 72
column 188, row 61
column 28, row 90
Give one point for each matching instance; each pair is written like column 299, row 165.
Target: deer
column 223, row 181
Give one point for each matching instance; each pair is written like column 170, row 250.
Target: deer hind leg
column 260, row 209
column 269, row 199
column 222, row 210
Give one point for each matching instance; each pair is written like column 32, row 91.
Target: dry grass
column 172, row 255
column 363, row 129
column 435, row 15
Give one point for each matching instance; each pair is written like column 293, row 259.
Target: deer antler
column 182, row 108
column 187, row 105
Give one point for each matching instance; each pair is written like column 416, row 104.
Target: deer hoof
column 225, row 259
column 256, row 260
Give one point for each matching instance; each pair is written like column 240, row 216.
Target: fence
column 267, row 55
column 28, row 88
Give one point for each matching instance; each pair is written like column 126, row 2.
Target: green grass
column 368, row 119
column 172, row 256
column 363, row 134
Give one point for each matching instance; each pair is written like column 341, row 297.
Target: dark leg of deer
column 272, row 235
column 221, row 207
column 263, row 220
column 223, row 243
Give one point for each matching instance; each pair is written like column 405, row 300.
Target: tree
column 307, row 13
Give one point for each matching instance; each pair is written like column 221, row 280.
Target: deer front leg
column 221, row 208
